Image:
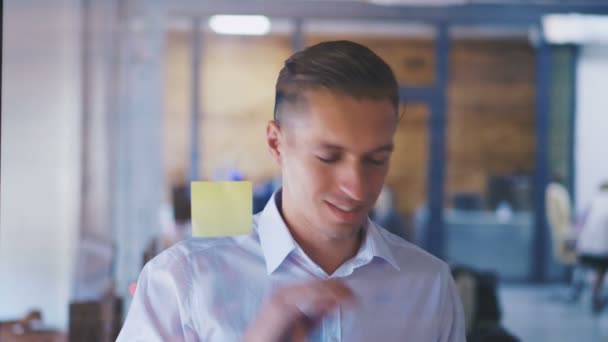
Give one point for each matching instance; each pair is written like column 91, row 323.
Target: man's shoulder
column 200, row 249
column 410, row 256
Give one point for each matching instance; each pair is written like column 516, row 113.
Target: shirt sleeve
column 160, row 310
column 452, row 326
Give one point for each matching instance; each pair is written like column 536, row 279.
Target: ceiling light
column 575, row 28
column 250, row 25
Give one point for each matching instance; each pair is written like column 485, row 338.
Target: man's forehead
column 340, row 122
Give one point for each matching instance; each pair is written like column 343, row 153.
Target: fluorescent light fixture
column 575, row 28
column 250, row 25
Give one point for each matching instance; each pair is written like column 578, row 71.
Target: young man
column 314, row 266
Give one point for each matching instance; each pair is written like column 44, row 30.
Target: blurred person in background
column 592, row 245
column 315, row 266
column 176, row 227
column 559, row 208
column 559, row 216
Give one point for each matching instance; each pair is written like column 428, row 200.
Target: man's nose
column 352, row 181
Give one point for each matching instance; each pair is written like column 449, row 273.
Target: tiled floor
column 534, row 313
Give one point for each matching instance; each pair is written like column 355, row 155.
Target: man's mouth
column 346, row 212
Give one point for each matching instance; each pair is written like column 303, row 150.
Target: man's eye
column 328, row 160
column 376, row 161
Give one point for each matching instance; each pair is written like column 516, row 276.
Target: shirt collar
column 376, row 244
column 275, row 239
column 277, row 243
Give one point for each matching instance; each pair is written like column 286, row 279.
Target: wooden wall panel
column 490, row 109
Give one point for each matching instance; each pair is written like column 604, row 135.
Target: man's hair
column 340, row 66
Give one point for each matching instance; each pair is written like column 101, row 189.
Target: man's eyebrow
column 384, row 148
column 330, row 146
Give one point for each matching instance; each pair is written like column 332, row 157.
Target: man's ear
column 274, row 141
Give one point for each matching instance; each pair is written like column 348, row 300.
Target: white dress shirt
column 594, row 237
column 211, row 289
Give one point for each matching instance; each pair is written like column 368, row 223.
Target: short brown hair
column 342, row 66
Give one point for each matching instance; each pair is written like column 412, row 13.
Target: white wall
column 39, row 208
column 592, row 123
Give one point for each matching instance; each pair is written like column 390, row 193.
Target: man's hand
column 292, row 312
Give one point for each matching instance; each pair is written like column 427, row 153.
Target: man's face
column 334, row 155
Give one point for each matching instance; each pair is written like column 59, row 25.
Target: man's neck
column 327, row 252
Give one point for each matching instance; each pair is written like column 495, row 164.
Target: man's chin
column 345, row 230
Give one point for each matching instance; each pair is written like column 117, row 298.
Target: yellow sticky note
column 221, row 208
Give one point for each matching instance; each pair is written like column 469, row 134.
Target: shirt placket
column 332, row 328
